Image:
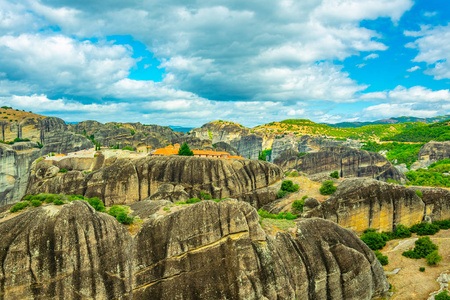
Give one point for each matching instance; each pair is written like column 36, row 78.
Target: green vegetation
column 383, row 259
column 205, row 196
column 327, row 187
column 419, row 194
column 193, row 200
column 128, row 148
column 300, row 154
column 423, row 177
column 373, row 240
column 185, row 150
column 392, row 181
column 424, row 247
column 398, row 153
column 282, row 224
column 132, row 132
column 282, row 215
column 121, row 213
column 6, row 107
column 423, row 133
column 425, row 229
column 210, row 134
column 63, row 170
column 335, row 174
column 19, row 206
column 35, row 203
column 442, row 296
column 422, row 269
column 297, row 205
column 287, row 186
column 262, row 156
column 433, row 258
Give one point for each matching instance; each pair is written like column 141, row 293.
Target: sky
column 189, row 62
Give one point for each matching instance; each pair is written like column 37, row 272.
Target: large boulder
column 65, row 142
column 435, row 151
column 130, row 180
column 361, row 203
column 347, row 161
column 205, row 251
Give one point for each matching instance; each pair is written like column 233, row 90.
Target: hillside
column 397, row 120
column 306, row 127
column 422, row 134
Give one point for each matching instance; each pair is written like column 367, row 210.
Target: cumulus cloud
column 433, row 49
column 388, row 110
column 371, row 56
column 412, row 69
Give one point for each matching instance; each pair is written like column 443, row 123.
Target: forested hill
column 391, row 121
column 436, row 132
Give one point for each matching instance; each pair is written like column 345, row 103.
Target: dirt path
column 409, row 282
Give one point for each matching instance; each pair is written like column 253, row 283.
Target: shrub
column 373, row 239
column 282, row 215
column 297, row 205
column 294, row 174
column 58, row 201
column 97, row 204
column 124, row 218
column 327, row 188
column 28, row 197
column 392, row 181
column 205, row 196
column 128, row 148
column 411, row 254
column 76, row 197
column 383, row 259
column 116, row 209
column 423, row 247
column 287, row 174
column 419, row 193
column 443, row 224
column 121, row 214
column 335, row 174
column 433, row 258
column 193, row 200
column 401, row 231
column 424, row 229
column 422, row 269
column 18, row 206
column 289, row 186
column 63, row 170
column 185, row 150
column 36, row 203
column 281, row 194
column 442, row 296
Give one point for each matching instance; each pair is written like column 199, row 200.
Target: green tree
column 185, row 150
column 262, row 156
column 327, row 188
column 433, row 258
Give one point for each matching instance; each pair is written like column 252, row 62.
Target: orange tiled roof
column 235, row 157
column 165, row 151
column 209, row 152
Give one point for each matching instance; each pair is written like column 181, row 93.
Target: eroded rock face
column 361, row 203
column 15, row 161
column 435, row 151
column 65, row 142
column 347, row 161
column 127, row 181
column 206, row 251
column 437, row 203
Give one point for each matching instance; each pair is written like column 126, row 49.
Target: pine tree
column 185, row 150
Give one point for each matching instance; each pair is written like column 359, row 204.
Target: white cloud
column 388, row 110
column 371, row 56
column 415, row 68
column 361, row 65
column 433, row 49
column 430, row 14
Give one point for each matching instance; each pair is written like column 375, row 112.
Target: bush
column 18, row 206
column 36, row 203
column 401, row 232
column 289, row 186
column 297, row 205
column 433, row 258
column 294, row 174
column 121, row 214
column 419, row 193
column 97, row 204
column 193, row 200
column 205, row 196
column 425, row 229
column 327, row 188
column 124, row 218
column 128, row 148
column 63, row 170
column 335, row 174
column 423, row 247
column 422, row 269
column 442, row 296
column 383, row 259
column 373, row 240
column 443, row 224
column 411, row 254
column 392, row 181
column 58, row 202
column 281, row 194
column 282, row 215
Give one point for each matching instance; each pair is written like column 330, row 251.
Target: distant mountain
column 181, row 129
column 398, row 120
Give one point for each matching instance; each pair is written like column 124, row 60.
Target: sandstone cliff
column 435, row 151
column 347, row 161
column 129, row 180
column 64, row 142
column 15, row 161
column 206, row 251
column 361, row 203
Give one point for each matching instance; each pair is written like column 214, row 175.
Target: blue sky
column 189, row 62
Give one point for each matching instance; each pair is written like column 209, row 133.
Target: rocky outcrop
column 347, row 161
column 361, row 203
column 435, row 151
column 15, row 161
column 130, row 180
column 73, row 252
column 64, row 142
column 248, row 143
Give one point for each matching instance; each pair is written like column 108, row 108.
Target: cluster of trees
column 429, row 177
column 437, row 132
column 397, row 152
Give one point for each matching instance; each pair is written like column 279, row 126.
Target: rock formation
column 64, row 142
column 361, row 203
column 205, row 251
column 15, row 161
column 347, row 161
column 435, row 151
column 130, row 180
